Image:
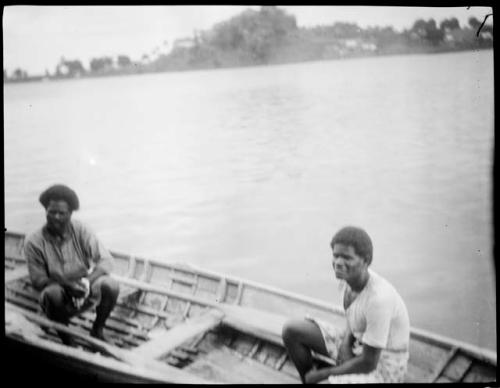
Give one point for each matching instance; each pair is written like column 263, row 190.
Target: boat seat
column 164, row 341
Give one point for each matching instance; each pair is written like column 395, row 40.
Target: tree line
column 270, row 35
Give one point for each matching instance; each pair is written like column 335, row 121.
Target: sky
column 35, row 38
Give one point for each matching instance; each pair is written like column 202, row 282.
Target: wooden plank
column 480, row 373
column 163, row 291
column 112, row 351
column 254, row 349
column 232, row 368
column 457, row 368
column 443, row 379
column 261, row 324
column 221, row 290
column 164, row 341
column 16, row 274
column 440, row 367
column 26, row 303
column 239, row 294
column 437, row 340
column 131, row 266
column 281, row 361
column 423, row 360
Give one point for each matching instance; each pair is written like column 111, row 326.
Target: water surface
column 250, row 171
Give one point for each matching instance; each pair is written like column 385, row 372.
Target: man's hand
column 345, row 349
column 316, row 375
column 78, row 288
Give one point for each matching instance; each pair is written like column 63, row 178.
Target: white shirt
column 378, row 316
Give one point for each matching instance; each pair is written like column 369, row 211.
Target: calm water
column 251, row 171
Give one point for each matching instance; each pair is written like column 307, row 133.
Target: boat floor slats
column 87, row 326
column 113, row 324
column 26, row 303
column 34, row 306
column 28, row 300
column 231, row 367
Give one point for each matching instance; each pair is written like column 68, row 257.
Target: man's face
column 58, row 215
column 346, row 263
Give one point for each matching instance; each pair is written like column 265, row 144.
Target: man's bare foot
column 99, row 334
column 67, row 339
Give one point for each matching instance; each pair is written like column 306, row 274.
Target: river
column 250, row 171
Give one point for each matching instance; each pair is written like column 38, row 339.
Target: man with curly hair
column 374, row 348
column 68, row 265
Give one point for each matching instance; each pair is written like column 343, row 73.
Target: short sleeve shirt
column 378, row 316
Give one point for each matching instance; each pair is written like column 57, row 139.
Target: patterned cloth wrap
column 391, row 367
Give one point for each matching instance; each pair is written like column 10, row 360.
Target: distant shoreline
column 116, row 73
column 271, row 36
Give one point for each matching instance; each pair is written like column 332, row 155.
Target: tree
column 434, row 34
column 70, row 68
column 101, row 64
column 449, row 24
column 254, row 32
column 20, row 74
column 124, row 61
column 428, row 31
column 474, row 23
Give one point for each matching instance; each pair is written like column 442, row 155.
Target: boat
column 178, row 323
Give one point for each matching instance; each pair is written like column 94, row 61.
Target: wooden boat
column 177, row 323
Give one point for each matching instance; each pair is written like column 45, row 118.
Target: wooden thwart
column 166, row 341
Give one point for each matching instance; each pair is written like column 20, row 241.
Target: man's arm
column 99, row 256
column 37, row 267
column 345, row 349
column 366, row 362
column 378, row 317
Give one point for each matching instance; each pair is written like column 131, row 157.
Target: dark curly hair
column 58, row 193
column 358, row 239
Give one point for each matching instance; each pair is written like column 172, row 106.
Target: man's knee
column 53, row 302
column 291, row 330
column 110, row 288
column 53, row 296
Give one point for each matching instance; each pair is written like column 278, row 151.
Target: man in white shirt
column 374, row 346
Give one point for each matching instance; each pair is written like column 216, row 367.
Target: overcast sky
column 36, row 37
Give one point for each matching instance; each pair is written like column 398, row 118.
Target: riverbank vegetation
column 272, row 36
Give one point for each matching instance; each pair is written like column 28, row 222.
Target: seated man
column 68, row 265
column 374, row 347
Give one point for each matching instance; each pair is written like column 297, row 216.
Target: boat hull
column 191, row 324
